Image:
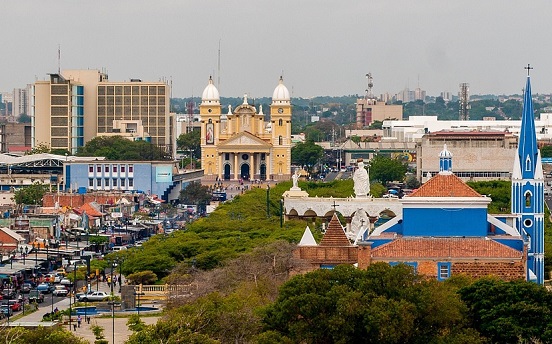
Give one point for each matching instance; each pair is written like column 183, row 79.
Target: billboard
column 163, row 174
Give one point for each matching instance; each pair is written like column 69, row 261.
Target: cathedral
column 240, row 144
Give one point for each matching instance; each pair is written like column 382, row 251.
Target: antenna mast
column 218, row 71
column 59, row 58
column 464, row 108
column 370, row 84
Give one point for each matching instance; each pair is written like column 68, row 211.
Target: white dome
column 281, row 93
column 445, row 153
column 210, row 93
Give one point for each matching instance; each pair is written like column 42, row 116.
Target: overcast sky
column 322, row 47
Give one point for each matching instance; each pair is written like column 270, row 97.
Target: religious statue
column 295, row 178
column 361, row 180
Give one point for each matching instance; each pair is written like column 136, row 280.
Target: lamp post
column 47, row 245
column 24, row 252
column 35, row 248
column 268, row 201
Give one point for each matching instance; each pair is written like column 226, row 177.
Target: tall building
column 21, row 104
column 370, row 110
column 239, row 144
column 75, row 106
column 528, row 190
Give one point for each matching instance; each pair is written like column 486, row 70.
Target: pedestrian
column 79, row 320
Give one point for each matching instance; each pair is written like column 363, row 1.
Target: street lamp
column 35, row 248
column 11, row 259
column 47, row 245
column 24, row 252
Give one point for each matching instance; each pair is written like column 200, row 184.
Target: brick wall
column 78, row 200
column 327, row 254
column 505, row 270
column 364, row 256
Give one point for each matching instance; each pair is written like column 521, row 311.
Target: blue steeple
column 528, row 190
column 527, row 147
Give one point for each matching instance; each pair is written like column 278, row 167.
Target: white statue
column 295, row 178
column 361, row 180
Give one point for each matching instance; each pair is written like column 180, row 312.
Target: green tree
column 384, row 169
column 383, row 304
column 546, row 151
column 306, row 154
column 195, row 193
column 190, row 141
column 31, row 194
column 142, row 277
column 120, row 148
column 38, row 149
column 509, row 312
column 412, row 182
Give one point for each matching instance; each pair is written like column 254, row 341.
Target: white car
column 65, row 281
column 60, row 291
column 95, row 296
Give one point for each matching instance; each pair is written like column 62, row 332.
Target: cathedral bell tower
column 210, row 112
column 528, row 190
column 280, row 118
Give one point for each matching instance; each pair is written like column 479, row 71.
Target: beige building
column 240, row 144
column 478, row 155
column 370, row 110
column 75, row 106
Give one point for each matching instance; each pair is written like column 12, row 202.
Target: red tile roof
column 335, row 235
column 445, row 185
column 406, row 248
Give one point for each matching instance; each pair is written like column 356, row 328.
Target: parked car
column 9, row 293
column 65, row 281
column 44, row 288
column 26, row 287
column 36, row 296
column 13, row 304
column 94, row 296
column 6, row 310
column 60, row 291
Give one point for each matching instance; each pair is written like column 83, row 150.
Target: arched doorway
column 227, row 172
column 263, row 172
column 245, row 171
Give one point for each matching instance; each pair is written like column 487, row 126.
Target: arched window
column 528, row 164
column 280, row 122
column 280, row 140
column 527, row 199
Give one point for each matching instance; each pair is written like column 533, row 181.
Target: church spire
column 528, row 189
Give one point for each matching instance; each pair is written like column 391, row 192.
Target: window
column 99, row 169
column 115, row 169
column 130, row 168
column 98, row 183
column 114, row 182
column 280, row 140
column 280, row 122
column 123, row 168
column 90, row 182
column 443, row 271
column 130, row 182
column 106, row 182
column 123, row 183
column 90, row 168
column 527, row 199
column 106, row 168
column 528, row 164
column 226, row 156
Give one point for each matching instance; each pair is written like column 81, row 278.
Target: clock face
column 280, row 110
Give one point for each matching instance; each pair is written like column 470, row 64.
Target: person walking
column 79, row 320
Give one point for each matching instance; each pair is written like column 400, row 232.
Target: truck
column 36, row 296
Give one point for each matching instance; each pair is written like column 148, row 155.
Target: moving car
column 94, row 296
column 60, row 291
column 6, row 310
column 65, row 281
column 36, row 296
column 44, row 288
column 26, row 287
column 13, row 304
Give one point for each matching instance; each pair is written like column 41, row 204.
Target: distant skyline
column 322, row 47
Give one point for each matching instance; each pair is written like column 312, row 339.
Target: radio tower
column 369, row 94
column 464, row 108
column 190, row 107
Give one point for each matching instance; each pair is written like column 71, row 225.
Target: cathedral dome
column 210, row 93
column 281, row 93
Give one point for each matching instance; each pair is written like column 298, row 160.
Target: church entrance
column 244, row 172
column 263, row 172
column 227, row 172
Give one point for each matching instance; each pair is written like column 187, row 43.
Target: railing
column 164, row 291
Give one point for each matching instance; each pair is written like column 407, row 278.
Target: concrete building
column 370, row 110
column 240, row 144
column 71, row 108
column 21, row 103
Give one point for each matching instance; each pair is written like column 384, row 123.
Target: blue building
column 445, row 228
column 161, row 178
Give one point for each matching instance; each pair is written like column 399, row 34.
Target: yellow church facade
column 240, row 144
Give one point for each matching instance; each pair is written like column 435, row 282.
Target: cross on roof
column 334, row 206
column 362, row 222
column 528, row 68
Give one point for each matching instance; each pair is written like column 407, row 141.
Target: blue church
column 445, row 228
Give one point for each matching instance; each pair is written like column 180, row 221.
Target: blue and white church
column 528, row 190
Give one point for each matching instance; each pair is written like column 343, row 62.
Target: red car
column 14, row 305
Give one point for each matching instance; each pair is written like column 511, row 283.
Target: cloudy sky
column 322, row 47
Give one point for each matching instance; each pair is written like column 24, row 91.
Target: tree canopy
column 384, row 169
column 120, row 148
column 306, row 154
column 190, row 141
column 31, row 194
